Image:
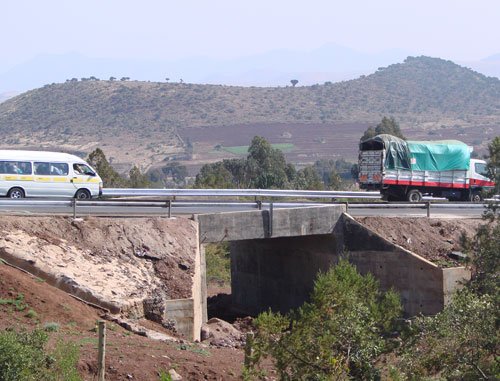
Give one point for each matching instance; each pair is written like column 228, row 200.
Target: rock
column 174, row 376
column 224, row 334
column 458, row 255
column 205, row 333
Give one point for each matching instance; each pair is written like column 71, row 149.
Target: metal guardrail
column 81, row 207
column 117, row 192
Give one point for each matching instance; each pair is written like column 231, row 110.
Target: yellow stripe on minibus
column 16, row 178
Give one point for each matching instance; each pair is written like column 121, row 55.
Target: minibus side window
column 82, row 169
column 15, row 167
column 42, row 168
column 25, row 167
column 59, row 169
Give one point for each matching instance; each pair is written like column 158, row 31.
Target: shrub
column 23, row 357
column 459, row 343
column 339, row 333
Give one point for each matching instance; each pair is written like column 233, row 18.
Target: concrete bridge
column 275, row 256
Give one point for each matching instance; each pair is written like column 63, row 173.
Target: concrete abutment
column 278, row 271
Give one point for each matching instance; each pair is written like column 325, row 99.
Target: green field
column 243, row 150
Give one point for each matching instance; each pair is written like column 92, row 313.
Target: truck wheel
column 476, row 196
column 16, row 193
column 414, row 195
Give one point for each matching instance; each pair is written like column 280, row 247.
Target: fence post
column 101, row 363
column 428, row 207
column 248, row 350
column 73, row 205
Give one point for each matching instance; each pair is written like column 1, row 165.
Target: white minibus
column 47, row 174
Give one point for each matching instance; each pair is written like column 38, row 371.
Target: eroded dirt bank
column 432, row 239
column 120, row 262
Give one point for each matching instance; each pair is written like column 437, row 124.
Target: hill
column 147, row 122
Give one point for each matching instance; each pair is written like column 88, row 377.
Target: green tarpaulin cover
column 444, row 155
column 397, row 155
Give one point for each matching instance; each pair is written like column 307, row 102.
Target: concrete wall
column 278, row 273
column 260, row 224
column 424, row 287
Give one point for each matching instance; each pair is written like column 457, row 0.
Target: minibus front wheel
column 82, row 194
column 16, row 193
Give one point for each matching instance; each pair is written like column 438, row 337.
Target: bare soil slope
column 129, row 356
column 117, row 261
column 430, row 238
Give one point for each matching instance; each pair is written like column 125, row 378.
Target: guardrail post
column 169, row 206
column 259, row 204
column 428, row 207
column 347, row 207
column 73, row 205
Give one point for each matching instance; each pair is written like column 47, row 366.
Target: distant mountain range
column 275, row 68
column 148, row 116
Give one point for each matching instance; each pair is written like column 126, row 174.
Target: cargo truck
column 406, row 170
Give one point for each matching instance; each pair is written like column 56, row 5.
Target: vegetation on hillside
column 24, row 356
column 111, row 178
column 265, row 167
column 421, row 88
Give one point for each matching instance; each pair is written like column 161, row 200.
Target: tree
column 266, row 166
column 214, row 175
column 112, row 79
column 294, row 82
column 334, row 173
column 307, row 178
column 177, row 171
column 386, row 126
column 337, row 335
column 138, row 179
column 494, row 162
column 109, row 176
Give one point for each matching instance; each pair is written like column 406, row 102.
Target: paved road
column 450, row 211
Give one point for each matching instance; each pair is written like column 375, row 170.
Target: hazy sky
column 153, row 29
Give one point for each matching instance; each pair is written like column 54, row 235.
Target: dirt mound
column 125, row 265
column 430, row 238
